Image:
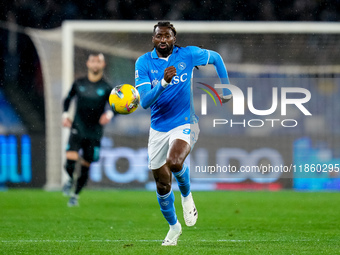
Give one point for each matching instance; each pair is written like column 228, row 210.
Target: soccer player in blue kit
column 163, row 79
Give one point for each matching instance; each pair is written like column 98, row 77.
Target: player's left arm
column 217, row 61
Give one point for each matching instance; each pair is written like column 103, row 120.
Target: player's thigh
column 188, row 133
column 91, row 149
column 73, row 146
column 182, row 140
column 178, row 151
column 158, row 147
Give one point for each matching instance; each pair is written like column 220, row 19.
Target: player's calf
column 82, row 180
column 166, row 203
column 69, row 167
column 67, row 188
column 183, row 180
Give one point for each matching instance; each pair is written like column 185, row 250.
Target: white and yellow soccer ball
column 124, row 99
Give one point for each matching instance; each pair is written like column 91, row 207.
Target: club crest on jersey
column 136, row 74
column 154, row 82
column 182, row 66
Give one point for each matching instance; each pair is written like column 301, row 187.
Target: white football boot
column 190, row 213
column 173, row 235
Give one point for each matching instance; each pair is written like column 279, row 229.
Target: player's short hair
column 100, row 55
column 165, row 24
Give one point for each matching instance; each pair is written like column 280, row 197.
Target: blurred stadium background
column 43, row 51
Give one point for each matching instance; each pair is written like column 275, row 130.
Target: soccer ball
column 124, row 99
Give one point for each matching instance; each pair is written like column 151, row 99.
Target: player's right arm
column 66, row 120
column 147, row 94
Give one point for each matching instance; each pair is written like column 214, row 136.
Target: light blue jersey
column 172, row 108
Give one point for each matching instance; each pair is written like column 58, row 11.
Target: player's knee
column 163, row 187
column 175, row 164
column 89, row 159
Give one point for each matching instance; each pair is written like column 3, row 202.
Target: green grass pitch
column 130, row 222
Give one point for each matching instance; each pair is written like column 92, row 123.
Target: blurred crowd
column 51, row 13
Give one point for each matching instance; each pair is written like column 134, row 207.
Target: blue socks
column 166, row 202
column 183, row 180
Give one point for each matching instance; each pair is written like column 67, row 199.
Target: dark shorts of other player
column 90, row 147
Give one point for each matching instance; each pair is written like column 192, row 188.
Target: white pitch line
column 117, row 240
column 73, row 241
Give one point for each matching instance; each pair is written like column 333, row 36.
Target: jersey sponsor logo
column 136, row 74
column 154, row 71
column 100, row 92
column 182, row 78
column 182, row 66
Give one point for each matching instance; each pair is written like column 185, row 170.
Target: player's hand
column 105, row 118
column 169, row 73
column 226, row 98
column 67, row 122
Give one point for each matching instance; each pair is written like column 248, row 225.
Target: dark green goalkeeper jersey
column 90, row 105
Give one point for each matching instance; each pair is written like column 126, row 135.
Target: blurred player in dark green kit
column 92, row 93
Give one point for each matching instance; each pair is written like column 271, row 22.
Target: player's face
column 163, row 40
column 95, row 64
